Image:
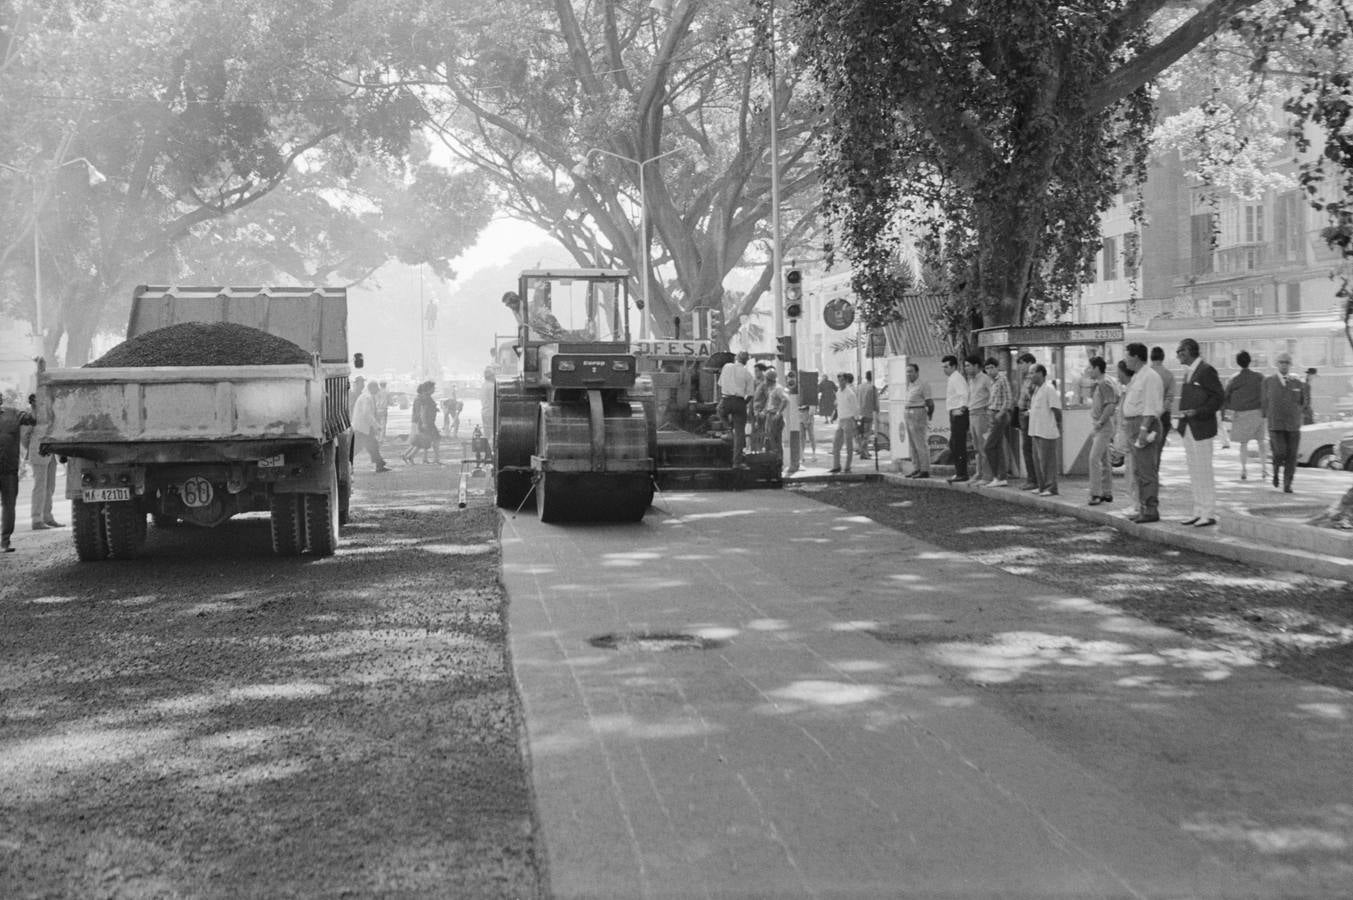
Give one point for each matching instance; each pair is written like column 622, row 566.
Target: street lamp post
column 95, row 177
column 581, row 169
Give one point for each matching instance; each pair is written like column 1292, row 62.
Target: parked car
column 1320, row 443
column 1342, row 457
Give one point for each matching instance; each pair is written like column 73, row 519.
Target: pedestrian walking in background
column 999, row 409
column 869, row 410
column 424, row 435
column 1242, row 399
column 1024, row 365
column 1143, row 405
column 956, row 400
column 979, row 411
column 826, row 399
column 1285, row 402
column 366, row 428
column 382, row 408
column 757, row 413
column 777, row 399
column 1200, row 399
column 1168, row 388
column 793, row 422
column 13, row 419
column 1124, row 440
column 847, row 411
column 918, row 409
column 355, row 394
column 1045, row 424
column 44, row 469
column 1103, row 416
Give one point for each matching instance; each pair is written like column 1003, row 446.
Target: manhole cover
column 654, row 641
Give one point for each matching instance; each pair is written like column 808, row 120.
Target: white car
column 1320, row 442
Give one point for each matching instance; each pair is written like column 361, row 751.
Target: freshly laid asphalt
column 752, row 694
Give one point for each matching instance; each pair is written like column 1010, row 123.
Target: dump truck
column 575, row 430
column 198, row 444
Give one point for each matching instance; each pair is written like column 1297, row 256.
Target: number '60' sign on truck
column 222, row 401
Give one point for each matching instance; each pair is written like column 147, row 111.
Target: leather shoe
column 1142, row 520
column 954, row 479
column 1203, row 523
column 53, row 523
column 922, row 474
column 1192, row 521
column 1107, row 498
column 40, row 526
column 1288, row 489
column 833, row 471
column 1095, row 501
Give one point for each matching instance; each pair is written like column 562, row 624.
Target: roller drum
column 579, row 480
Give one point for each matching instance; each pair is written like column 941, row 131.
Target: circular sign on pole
column 838, row 314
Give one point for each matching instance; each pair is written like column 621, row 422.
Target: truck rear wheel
column 321, row 520
column 125, row 522
column 91, row 537
column 288, row 525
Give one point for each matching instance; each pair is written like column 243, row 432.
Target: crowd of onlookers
column 1013, row 425
column 1132, row 411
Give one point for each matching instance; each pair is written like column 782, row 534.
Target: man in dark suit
column 1200, row 399
column 1285, row 401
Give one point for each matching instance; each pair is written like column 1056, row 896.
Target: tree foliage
column 526, row 91
column 1000, row 129
column 193, row 112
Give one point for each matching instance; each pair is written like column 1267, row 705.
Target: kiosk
column 1065, row 350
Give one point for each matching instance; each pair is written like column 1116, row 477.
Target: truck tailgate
column 180, row 403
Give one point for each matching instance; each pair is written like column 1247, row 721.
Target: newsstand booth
column 1065, row 350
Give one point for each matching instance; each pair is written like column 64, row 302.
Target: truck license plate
column 196, row 491
column 106, row 495
column 273, row 462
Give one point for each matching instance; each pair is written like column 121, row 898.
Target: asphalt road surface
column 753, row 694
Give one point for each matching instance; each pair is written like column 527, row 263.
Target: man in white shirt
column 979, row 410
column 847, row 412
column 956, row 401
column 366, row 428
column 735, row 391
column 1143, row 405
column 1045, row 427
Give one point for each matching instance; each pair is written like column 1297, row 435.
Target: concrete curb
column 1251, row 551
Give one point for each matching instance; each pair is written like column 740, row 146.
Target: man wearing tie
column 1200, row 399
column 1284, row 401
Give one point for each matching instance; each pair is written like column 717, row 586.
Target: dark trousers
column 733, row 410
column 9, row 497
column 958, row 442
column 994, row 447
column 1160, row 441
column 1283, row 445
column 372, row 445
column 1026, row 447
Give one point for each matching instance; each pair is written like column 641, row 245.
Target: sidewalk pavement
column 1240, row 535
column 754, row 695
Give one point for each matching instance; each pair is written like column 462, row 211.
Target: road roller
column 575, row 432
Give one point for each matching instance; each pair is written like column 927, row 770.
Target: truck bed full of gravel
column 203, row 344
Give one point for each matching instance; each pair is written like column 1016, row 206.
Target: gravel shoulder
column 1298, row 624
column 213, row 721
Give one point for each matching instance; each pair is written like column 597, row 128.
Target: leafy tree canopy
column 1002, row 130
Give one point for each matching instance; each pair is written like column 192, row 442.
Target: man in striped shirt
column 999, row 408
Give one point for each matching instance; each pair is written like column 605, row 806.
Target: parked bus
column 1316, row 342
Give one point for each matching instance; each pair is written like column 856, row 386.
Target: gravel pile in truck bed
column 203, row 344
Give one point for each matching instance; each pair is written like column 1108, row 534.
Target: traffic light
column 793, row 293
column 784, row 348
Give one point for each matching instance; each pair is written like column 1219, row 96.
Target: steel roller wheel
column 321, row 520
column 91, row 536
column 513, row 443
column 288, row 525
column 592, row 497
column 125, row 522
